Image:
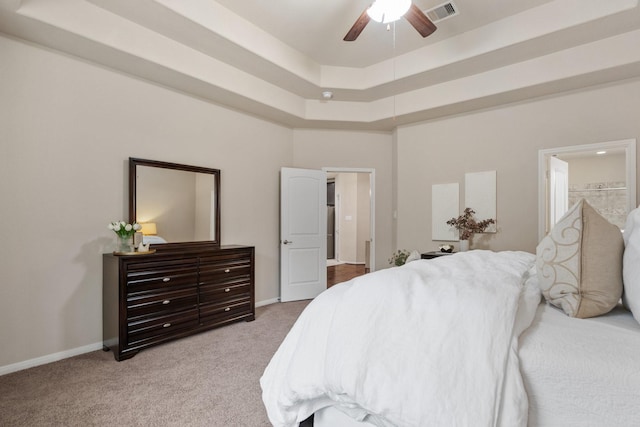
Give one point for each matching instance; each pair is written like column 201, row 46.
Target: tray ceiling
column 274, row 59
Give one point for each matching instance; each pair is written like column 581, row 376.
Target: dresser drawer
column 141, row 304
column 157, row 275
column 225, row 266
column 225, row 311
column 226, row 257
column 147, row 329
column 220, row 292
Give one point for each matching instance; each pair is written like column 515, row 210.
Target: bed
column 600, row 390
column 474, row 339
column 148, row 239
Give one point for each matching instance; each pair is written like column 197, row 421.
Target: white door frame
column 629, row 145
column 336, row 226
column 372, row 206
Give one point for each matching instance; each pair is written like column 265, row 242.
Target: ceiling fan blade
column 419, row 21
column 357, row 28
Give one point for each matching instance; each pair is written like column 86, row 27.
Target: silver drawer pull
column 227, row 309
column 166, row 279
column 227, row 290
column 227, row 270
column 166, row 325
column 167, row 301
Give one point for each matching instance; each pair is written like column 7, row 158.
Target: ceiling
column 274, row 58
column 316, row 28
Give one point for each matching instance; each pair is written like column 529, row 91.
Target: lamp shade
column 386, row 11
column 149, row 228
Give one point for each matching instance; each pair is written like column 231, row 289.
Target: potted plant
column 467, row 226
column 399, row 257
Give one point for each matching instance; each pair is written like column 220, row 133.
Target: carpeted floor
column 209, row 379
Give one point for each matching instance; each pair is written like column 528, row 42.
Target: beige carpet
column 209, row 379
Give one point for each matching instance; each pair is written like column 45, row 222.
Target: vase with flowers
column 467, row 226
column 124, row 235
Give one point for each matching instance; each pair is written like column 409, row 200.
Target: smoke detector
column 327, row 94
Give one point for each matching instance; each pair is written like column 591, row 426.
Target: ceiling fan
column 387, row 11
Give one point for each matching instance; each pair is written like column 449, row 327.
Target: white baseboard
column 267, row 302
column 43, row 360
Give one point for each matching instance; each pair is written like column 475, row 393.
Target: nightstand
column 434, row 254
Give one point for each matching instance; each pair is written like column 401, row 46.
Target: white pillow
column 152, row 239
column 631, row 263
column 413, row 256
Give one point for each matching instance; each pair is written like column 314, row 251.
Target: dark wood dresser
column 154, row 298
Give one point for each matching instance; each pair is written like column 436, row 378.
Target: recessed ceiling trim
column 554, row 16
column 108, row 39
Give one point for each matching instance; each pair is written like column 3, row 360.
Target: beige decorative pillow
column 579, row 263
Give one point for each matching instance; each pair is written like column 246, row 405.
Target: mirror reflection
column 175, row 203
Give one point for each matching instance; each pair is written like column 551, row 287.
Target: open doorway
column 350, row 223
column 604, row 174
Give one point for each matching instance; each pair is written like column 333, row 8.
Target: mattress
column 582, row 372
column 577, row 372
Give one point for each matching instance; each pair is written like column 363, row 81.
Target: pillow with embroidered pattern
column 579, row 263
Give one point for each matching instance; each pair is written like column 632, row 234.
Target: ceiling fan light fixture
column 387, row 11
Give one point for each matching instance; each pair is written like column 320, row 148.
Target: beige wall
column 364, row 215
column 67, row 129
column 347, row 216
column 589, row 170
column 344, row 149
column 507, row 140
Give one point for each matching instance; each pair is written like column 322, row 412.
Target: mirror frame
column 133, row 165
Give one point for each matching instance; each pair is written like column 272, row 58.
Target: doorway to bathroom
column 604, row 174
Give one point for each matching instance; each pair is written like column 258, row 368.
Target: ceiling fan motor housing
column 387, row 11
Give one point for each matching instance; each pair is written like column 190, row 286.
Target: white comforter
column 432, row 343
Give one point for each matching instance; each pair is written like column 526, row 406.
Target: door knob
column 286, row 242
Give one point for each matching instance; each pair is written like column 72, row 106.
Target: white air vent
column 442, row 12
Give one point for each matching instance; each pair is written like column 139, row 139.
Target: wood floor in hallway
column 343, row 272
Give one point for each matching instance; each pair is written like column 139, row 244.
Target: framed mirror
column 174, row 203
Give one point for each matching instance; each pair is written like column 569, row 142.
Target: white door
column 558, row 190
column 303, row 233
